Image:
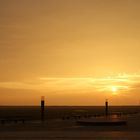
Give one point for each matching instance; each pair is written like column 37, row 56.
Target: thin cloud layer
column 121, row 82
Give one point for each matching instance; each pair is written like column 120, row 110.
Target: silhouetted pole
column 42, row 109
column 106, row 107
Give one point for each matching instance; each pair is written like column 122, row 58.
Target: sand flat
column 57, row 128
column 70, row 135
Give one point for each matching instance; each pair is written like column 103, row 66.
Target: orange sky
column 75, row 52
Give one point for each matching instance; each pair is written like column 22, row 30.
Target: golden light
column 114, row 90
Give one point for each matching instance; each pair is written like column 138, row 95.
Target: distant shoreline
column 69, row 105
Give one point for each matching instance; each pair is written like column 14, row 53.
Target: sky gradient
column 74, row 52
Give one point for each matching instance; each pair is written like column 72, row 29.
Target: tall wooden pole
column 106, row 107
column 42, row 109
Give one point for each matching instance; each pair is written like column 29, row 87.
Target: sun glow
column 114, row 90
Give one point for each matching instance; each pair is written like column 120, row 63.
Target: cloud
column 123, row 82
column 76, row 91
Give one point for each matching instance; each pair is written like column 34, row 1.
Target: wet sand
column 67, row 129
column 70, row 135
column 59, row 129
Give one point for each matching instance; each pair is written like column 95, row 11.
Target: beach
column 66, row 128
column 70, row 135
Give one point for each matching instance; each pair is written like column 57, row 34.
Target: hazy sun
column 114, row 90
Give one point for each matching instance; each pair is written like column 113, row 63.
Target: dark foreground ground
column 60, row 124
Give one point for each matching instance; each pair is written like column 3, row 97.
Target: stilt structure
column 106, row 107
column 42, row 108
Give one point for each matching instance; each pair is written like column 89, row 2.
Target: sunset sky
column 74, row 52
